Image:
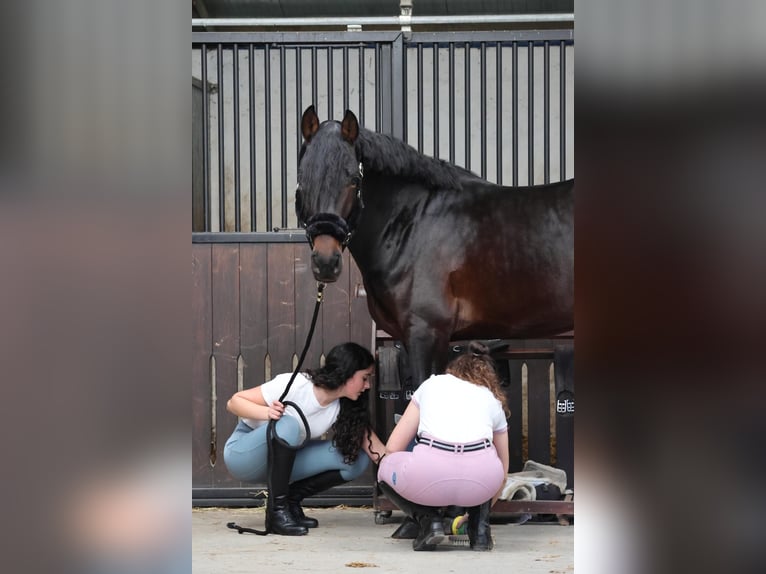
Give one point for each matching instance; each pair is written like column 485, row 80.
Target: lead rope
column 270, row 429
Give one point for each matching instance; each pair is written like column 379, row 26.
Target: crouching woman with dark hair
column 459, row 420
column 331, row 397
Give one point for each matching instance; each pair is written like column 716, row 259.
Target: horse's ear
column 309, row 123
column 349, row 128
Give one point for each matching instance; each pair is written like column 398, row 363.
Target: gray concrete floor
column 348, row 538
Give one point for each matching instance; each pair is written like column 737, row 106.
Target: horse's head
column 328, row 197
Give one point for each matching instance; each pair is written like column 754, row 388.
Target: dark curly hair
column 353, row 422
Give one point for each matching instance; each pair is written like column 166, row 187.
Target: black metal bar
column 515, row 115
column 345, row 78
column 283, row 129
column 483, row 119
column 499, row 111
column 420, row 98
column 314, row 80
column 562, row 114
column 330, row 98
column 251, row 85
column 267, row 132
column 435, row 85
column 361, row 85
column 221, row 158
column 378, row 103
column 452, row 103
column 467, row 110
column 237, row 198
column 546, row 112
column 405, row 126
column 530, row 114
column 205, row 140
column 398, row 91
column 298, row 96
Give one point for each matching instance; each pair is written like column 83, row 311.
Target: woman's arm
column 500, row 440
column 405, row 430
column 377, row 450
column 250, row 404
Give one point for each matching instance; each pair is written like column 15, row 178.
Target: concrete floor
column 348, row 538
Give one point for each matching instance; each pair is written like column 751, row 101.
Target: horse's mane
column 387, row 155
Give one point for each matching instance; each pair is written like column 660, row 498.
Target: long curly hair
column 353, row 422
column 476, row 366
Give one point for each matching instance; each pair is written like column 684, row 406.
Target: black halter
column 334, row 225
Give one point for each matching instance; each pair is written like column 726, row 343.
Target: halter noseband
column 334, row 225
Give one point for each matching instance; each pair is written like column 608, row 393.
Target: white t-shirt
column 454, row 410
column 320, row 418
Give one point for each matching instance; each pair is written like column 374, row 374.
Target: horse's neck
column 388, row 156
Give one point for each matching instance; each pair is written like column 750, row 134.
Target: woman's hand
column 276, row 410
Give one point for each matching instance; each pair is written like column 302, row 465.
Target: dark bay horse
column 444, row 254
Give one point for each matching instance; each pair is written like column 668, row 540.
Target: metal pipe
column 251, row 89
column 237, row 170
column 385, row 20
column 221, row 155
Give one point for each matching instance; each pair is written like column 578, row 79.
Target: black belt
column 480, row 445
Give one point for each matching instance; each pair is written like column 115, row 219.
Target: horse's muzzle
column 326, row 259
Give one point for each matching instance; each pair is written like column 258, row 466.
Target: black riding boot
column 479, row 533
column 429, row 519
column 309, row 486
column 279, row 520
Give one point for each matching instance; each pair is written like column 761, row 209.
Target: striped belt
column 480, row 445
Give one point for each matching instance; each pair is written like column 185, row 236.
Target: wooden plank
column 335, row 310
column 225, row 297
column 564, row 370
column 305, row 301
column 360, row 322
column 253, row 288
column 281, row 306
column 202, row 471
column 538, row 409
column 515, row 431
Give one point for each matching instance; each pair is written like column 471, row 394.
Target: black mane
column 387, row 155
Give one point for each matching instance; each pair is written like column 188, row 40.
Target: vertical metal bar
column 205, row 141
column 435, row 85
column 251, row 89
column 482, row 119
column 405, row 123
column 330, row 99
column 221, row 158
column 420, row 97
column 398, row 90
column 361, row 85
column 467, row 114
column 562, row 113
column 283, row 129
column 515, row 115
column 531, row 114
column 546, row 112
column 378, row 88
column 314, row 88
column 267, row 132
column 345, row 79
column 298, row 96
column 499, row 111
column 452, row 102
column 237, row 199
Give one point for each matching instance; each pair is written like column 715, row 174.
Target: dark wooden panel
column 335, row 310
column 360, row 322
column 253, row 287
column 202, row 471
column 225, row 297
column 539, row 409
column 281, row 305
column 305, row 301
column 564, row 368
column 515, row 430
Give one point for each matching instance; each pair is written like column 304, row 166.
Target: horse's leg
column 428, row 348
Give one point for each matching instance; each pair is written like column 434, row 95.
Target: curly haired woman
column 459, row 420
